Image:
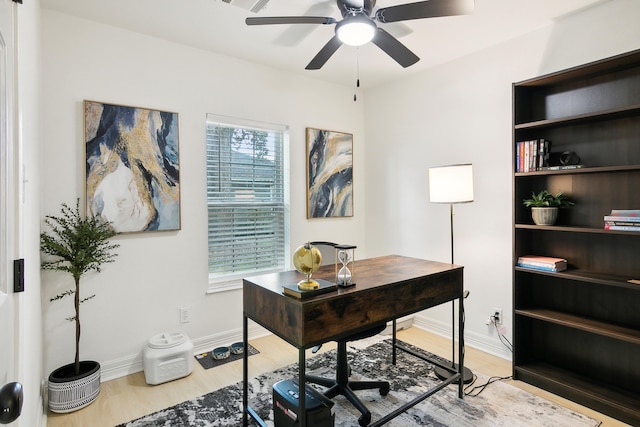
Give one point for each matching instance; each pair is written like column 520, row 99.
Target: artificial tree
column 76, row 244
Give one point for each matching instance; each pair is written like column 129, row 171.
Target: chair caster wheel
column 364, row 419
column 384, row 390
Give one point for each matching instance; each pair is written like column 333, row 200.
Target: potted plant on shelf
column 544, row 206
column 75, row 245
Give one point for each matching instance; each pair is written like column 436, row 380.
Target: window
column 246, row 200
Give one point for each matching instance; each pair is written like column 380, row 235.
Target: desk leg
column 302, row 387
column 245, row 373
column 393, row 342
column 461, row 347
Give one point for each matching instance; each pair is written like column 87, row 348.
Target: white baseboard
column 402, row 323
column 42, row 414
column 491, row 345
column 131, row 364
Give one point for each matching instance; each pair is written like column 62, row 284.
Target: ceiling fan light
column 356, row 32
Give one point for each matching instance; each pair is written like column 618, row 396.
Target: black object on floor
column 207, row 361
column 286, row 399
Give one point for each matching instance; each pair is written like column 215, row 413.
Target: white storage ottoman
column 167, row 357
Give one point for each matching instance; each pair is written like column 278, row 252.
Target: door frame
column 9, row 203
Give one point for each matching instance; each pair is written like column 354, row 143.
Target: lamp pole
column 452, row 184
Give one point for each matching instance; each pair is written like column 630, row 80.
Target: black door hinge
column 18, row 275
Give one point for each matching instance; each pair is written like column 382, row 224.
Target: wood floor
column 129, row 397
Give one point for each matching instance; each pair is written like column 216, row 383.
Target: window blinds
column 245, row 199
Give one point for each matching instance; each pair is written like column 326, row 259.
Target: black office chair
column 341, row 384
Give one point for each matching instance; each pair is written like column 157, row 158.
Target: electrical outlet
column 497, row 315
column 185, row 315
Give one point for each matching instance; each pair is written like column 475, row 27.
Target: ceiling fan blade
column 424, row 9
column 294, row 34
column 325, row 53
column 399, row 52
column 270, row 20
column 398, row 29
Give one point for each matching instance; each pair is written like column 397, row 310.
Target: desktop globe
column 307, row 259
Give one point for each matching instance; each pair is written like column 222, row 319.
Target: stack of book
column 543, row 263
column 623, row 220
column 292, row 289
column 532, row 155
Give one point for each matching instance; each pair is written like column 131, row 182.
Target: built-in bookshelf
column 577, row 332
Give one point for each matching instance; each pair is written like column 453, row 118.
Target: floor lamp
column 452, row 184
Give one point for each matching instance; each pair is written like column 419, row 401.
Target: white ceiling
column 219, row 27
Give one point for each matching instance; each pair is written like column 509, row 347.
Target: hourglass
column 345, row 265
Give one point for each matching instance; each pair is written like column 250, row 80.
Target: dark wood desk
column 387, row 288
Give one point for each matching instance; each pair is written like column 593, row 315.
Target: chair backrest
column 328, row 251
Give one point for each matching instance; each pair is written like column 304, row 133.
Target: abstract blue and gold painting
column 329, row 174
column 132, row 167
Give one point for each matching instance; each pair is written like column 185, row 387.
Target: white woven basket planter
column 544, row 216
column 69, row 393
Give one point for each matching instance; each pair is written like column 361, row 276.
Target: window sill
column 215, row 288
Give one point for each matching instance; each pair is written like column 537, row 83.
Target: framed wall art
column 132, row 167
column 329, row 174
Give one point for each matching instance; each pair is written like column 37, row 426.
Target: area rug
column 498, row 405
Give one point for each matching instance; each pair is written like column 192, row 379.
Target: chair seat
column 375, row 330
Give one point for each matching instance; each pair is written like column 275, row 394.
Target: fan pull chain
column 357, row 73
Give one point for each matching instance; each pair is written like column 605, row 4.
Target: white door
column 8, row 196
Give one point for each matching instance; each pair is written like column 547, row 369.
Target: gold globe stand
column 308, row 284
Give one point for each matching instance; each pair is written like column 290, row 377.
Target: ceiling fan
column 358, row 25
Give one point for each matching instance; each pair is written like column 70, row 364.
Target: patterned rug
column 498, row 405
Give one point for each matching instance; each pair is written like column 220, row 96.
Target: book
column 541, row 259
column 292, row 289
column 532, row 155
column 620, row 218
column 544, row 156
column 562, row 167
column 554, row 264
column 625, row 212
column 621, row 228
column 541, row 268
column 625, row 223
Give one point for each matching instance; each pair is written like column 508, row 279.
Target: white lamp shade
column 451, row 184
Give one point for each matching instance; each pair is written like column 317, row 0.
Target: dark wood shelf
column 602, row 397
column 613, row 113
column 599, row 169
column 576, row 333
column 585, row 324
column 574, row 229
column 587, row 276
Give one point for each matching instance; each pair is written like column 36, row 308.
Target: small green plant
column 76, row 245
column 544, row 199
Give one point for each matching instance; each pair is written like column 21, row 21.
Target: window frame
column 227, row 282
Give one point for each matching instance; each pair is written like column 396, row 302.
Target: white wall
column 461, row 112
column 458, row 112
column 156, row 273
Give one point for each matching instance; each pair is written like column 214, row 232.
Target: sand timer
column 345, row 265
